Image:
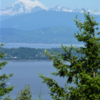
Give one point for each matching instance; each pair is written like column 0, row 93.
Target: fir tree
column 4, row 78
column 25, row 94
column 84, row 72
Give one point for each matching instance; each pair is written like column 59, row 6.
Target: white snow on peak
column 32, row 4
column 58, row 7
column 21, row 10
column 28, row 6
column 67, row 10
column 22, row 6
column 6, row 12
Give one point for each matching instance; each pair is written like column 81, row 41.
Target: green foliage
column 25, row 94
column 7, row 97
column 4, row 78
column 84, row 72
column 40, row 95
column 32, row 53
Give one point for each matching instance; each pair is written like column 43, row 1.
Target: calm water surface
column 17, row 45
column 27, row 73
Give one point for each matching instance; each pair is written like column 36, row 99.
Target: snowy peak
column 28, row 6
column 60, row 8
column 64, row 9
column 31, row 4
column 23, row 6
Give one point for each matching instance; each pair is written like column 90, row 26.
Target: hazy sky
column 91, row 4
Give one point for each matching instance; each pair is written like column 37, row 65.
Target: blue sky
column 91, row 4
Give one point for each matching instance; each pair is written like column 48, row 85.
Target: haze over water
column 45, row 46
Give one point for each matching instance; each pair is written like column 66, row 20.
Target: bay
column 26, row 73
column 41, row 46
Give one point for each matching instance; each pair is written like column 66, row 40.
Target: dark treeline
column 24, row 53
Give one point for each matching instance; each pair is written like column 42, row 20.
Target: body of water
column 26, row 73
column 17, row 45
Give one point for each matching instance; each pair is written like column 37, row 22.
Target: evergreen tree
column 4, row 78
column 7, row 97
column 84, row 72
column 25, row 94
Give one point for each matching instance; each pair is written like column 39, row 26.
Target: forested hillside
column 58, row 34
column 23, row 53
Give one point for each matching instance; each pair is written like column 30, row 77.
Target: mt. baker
column 28, row 6
column 23, row 6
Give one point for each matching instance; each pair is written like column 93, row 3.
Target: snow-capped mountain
column 60, row 8
column 23, row 6
column 28, row 6
column 64, row 9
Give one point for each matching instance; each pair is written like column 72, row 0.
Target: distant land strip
column 30, row 54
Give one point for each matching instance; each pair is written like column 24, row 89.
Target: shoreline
column 24, row 60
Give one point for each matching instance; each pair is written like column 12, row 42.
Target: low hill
column 58, row 34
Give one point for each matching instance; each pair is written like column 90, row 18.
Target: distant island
column 29, row 54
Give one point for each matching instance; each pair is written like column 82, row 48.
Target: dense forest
column 24, row 53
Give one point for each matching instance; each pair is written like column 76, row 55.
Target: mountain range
column 28, row 6
column 28, row 21
column 57, row 34
column 42, row 19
